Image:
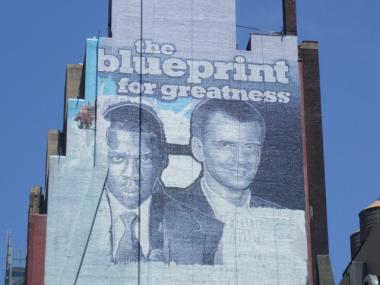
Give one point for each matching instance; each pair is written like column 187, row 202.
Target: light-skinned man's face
column 231, row 152
column 123, row 160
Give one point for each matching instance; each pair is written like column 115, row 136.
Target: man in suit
column 227, row 139
column 137, row 155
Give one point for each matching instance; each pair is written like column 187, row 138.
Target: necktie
column 128, row 248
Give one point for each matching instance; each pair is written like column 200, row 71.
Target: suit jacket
column 155, row 230
column 192, row 230
column 101, row 247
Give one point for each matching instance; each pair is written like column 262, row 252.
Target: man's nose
column 131, row 168
column 244, row 156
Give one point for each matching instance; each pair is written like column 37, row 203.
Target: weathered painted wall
column 184, row 160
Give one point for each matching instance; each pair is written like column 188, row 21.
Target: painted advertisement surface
column 184, row 165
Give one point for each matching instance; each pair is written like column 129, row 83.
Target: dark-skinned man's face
column 129, row 183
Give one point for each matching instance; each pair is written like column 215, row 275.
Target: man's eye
column 146, row 158
column 225, row 144
column 116, row 158
column 252, row 148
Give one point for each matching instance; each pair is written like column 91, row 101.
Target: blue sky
column 40, row 37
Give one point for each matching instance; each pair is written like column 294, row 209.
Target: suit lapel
column 156, row 236
column 209, row 227
column 258, row 202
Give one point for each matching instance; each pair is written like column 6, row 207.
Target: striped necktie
column 128, row 248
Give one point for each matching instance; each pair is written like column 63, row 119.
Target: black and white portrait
column 191, row 168
column 136, row 146
column 227, row 139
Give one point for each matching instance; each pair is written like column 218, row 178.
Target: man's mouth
column 129, row 191
column 239, row 170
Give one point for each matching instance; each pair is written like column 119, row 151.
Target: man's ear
column 197, row 149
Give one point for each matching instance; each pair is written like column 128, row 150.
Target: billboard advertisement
column 184, row 165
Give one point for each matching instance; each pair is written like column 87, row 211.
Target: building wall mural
column 184, row 166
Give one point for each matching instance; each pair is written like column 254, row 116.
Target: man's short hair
column 238, row 110
column 132, row 117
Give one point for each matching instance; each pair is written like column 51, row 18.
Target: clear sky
column 40, row 37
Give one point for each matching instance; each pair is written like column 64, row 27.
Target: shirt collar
column 143, row 212
column 221, row 207
column 118, row 209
